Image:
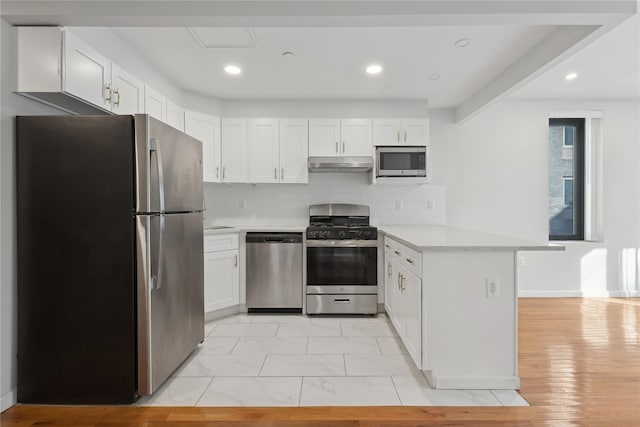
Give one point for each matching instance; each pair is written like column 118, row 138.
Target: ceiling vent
column 223, row 37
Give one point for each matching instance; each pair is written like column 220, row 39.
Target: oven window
column 399, row 161
column 342, row 266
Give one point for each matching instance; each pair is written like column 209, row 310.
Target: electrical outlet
column 493, row 288
column 521, row 261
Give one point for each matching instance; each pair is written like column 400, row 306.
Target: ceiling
column 518, row 48
column 329, row 63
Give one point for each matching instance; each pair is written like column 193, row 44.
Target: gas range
column 341, row 260
column 340, row 222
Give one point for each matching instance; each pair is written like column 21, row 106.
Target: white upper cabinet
column 324, row 138
column 234, row 150
column 206, row 128
column 338, row 138
column 294, row 151
column 401, row 132
column 264, row 150
column 127, row 92
column 56, row 67
column 154, row 103
column 87, row 74
column 356, row 137
column 175, row 115
column 278, row 150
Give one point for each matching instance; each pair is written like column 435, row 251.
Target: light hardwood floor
column 579, row 366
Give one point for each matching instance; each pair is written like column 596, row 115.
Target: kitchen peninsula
column 451, row 295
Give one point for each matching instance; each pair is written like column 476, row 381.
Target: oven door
column 335, row 265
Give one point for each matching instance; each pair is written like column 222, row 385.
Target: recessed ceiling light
column 374, row 69
column 434, row 76
column 462, row 43
column 571, row 76
column 288, row 54
column 232, row 69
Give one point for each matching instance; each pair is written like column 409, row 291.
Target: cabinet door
column 324, row 138
column 264, row 141
column 221, row 280
column 387, row 131
column 356, row 137
column 397, row 302
column 415, row 132
column 294, row 151
column 128, row 92
column 154, row 104
column 234, row 150
column 388, row 283
column 412, row 293
column 87, row 74
column 206, row 128
column 175, row 116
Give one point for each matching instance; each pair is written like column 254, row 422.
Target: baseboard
column 223, row 312
column 579, row 294
column 8, row 400
column 472, row 383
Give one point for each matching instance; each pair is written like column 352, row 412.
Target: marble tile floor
column 294, row 360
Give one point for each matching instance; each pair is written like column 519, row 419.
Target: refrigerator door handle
column 160, row 253
column 154, row 146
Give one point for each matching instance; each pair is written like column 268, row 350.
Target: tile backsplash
column 289, row 203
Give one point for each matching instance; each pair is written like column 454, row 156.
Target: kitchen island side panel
column 469, row 339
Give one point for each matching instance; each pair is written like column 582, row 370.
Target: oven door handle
column 342, row 243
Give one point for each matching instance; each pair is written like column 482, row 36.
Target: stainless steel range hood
column 340, row 164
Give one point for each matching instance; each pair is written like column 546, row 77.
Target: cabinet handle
column 398, row 136
column 337, row 149
column 398, row 280
column 235, row 261
column 281, row 173
column 107, row 91
column 343, row 147
column 402, row 288
column 275, row 173
column 396, row 252
column 409, row 260
column 117, row 94
column 390, row 273
column 405, row 135
column 217, row 172
column 387, row 246
column 224, row 171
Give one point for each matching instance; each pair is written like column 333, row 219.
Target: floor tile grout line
column 205, row 390
column 300, row 394
column 235, row 345
column 497, row 398
column 395, row 387
column 263, row 363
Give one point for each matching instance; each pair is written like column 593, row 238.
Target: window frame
column 578, row 161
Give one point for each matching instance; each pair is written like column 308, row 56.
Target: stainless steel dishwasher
column 274, row 272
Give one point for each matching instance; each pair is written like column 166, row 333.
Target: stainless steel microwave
column 401, row 161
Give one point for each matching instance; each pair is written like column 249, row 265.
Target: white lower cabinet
column 221, row 272
column 403, row 298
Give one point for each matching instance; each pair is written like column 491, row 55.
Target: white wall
column 11, row 105
column 497, row 182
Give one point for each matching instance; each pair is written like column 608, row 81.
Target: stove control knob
column 325, row 234
column 341, row 234
column 367, row 233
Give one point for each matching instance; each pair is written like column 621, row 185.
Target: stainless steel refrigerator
column 110, row 256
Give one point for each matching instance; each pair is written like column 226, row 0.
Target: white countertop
column 423, row 237
column 265, row 228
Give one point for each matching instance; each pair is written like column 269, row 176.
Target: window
column 566, row 178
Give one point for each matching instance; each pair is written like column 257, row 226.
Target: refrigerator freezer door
column 170, row 294
column 168, row 168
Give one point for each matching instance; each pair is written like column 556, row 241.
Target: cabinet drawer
column 407, row 257
column 220, row 242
